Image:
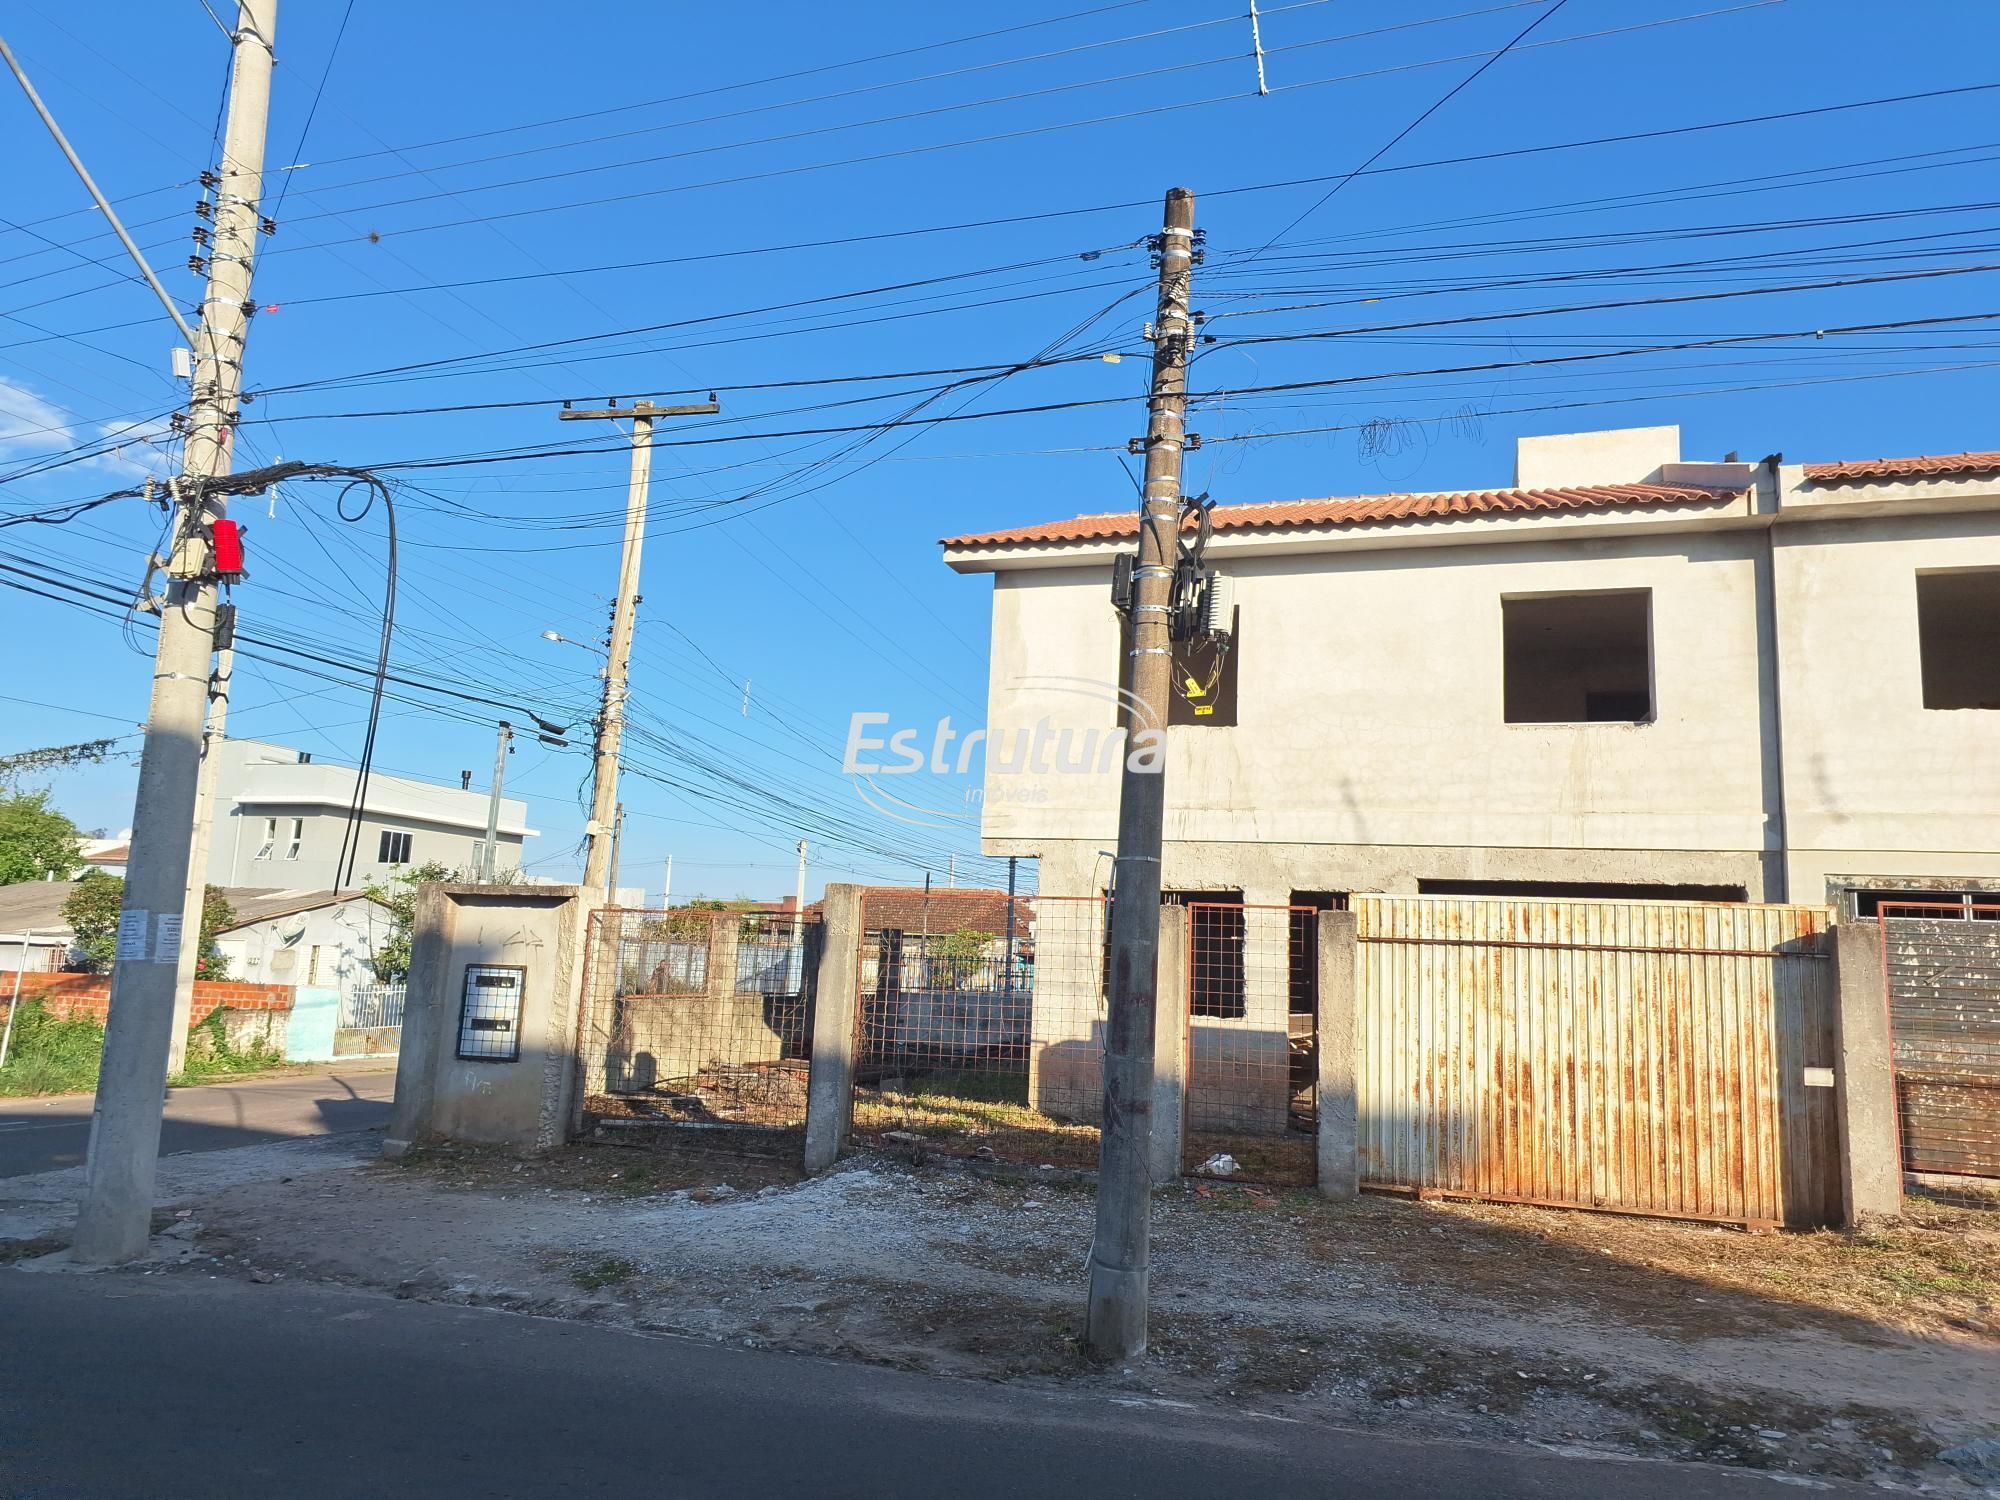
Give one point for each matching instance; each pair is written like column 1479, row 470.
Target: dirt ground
column 1819, row 1354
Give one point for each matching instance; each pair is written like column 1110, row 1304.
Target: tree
column 92, row 913
column 217, row 915
column 391, row 958
column 960, row 954
column 52, row 758
column 36, row 841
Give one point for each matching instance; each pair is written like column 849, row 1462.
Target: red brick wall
column 90, row 995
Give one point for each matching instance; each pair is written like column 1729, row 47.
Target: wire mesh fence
column 981, row 1024
column 1252, row 1042
column 1941, row 974
column 699, row 1019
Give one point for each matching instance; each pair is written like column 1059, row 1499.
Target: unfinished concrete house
column 1625, row 676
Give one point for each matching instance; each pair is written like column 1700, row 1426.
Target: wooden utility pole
column 1120, row 1253
column 611, row 718
column 116, row 1217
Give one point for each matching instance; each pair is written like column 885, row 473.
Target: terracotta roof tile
column 1362, row 510
column 1924, row 466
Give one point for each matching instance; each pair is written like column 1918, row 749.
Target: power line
column 1403, row 134
column 1016, row 134
column 312, row 110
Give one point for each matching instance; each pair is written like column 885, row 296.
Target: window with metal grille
column 394, row 848
column 1578, row 658
column 1958, row 637
column 1917, row 904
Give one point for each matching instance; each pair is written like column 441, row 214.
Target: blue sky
column 499, row 205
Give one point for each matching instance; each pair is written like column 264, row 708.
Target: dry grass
column 1935, row 1271
column 977, row 1116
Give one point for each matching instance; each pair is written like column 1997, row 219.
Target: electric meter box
column 489, row 1015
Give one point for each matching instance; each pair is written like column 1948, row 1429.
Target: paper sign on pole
column 167, row 938
column 132, row 936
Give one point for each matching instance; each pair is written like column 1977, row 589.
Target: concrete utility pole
column 799, row 900
column 617, row 838
column 611, row 719
column 116, row 1216
column 667, row 890
column 196, row 896
column 1120, row 1255
column 488, row 861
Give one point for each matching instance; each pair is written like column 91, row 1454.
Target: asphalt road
column 38, row 1135
column 180, row 1384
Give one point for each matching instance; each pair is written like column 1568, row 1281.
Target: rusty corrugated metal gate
column 1641, row 1057
column 1941, row 969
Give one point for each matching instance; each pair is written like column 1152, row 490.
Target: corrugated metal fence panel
column 1645, row 1057
column 1944, row 1005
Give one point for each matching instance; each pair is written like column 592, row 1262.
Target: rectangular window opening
column 270, row 839
column 298, row 838
column 1215, row 952
column 1578, row 658
column 393, row 849
column 1583, row 890
column 1958, row 638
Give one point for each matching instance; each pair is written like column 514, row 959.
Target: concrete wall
column 1372, row 742
column 1790, row 743
column 253, row 1012
column 1875, row 781
column 523, row 1103
column 315, row 1018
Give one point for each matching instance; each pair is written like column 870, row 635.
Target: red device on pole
column 228, row 543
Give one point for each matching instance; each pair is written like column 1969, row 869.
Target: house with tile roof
column 1625, row 674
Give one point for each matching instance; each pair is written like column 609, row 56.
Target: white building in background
column 280, row 817
column 1626, row 675
column 107, row 855
column 313, row 939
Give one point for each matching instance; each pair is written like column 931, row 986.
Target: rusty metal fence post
column 836, row 1017
column 1338, row 1142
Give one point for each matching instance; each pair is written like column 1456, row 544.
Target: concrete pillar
column 830, row 1090
column 1871, row 1157
column 430, row 1011
column 1339, row 1119
column 724, row 933
column 1170, row 1041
